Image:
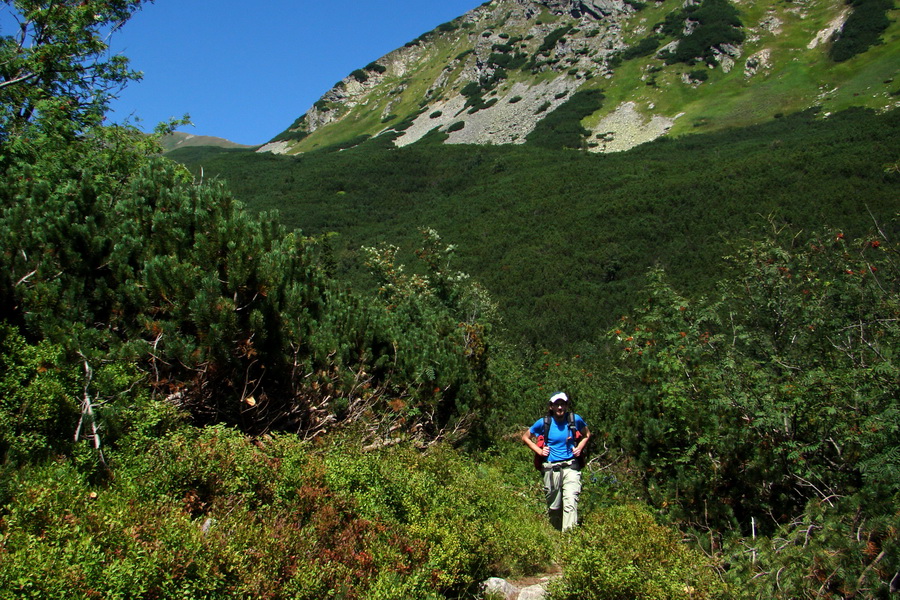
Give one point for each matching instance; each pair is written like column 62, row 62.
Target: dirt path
column 524, row 582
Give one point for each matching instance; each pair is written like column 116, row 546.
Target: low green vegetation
column 622, row 552
column 210, row 513
column 518, row 212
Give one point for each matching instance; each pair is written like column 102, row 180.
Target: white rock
column 497, row 586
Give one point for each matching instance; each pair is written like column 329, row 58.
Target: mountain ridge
column 181, row 139
column 492, row 74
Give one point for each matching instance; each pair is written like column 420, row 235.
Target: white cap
column 559, row 397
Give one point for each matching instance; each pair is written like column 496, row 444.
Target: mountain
column 634, row 70
column 563, row 239
column 180, row 139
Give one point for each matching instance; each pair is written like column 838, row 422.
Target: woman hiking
column 564, row 436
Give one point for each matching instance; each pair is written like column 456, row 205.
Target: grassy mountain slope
column 492, row 74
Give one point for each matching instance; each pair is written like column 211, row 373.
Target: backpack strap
column 546, row 425
column 573, row 430
column 576, row 435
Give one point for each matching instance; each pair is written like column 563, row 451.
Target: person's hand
column 545, row 451
column 577, row 450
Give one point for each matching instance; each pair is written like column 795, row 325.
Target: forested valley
column 206, row 392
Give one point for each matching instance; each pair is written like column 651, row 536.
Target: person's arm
column 585, row 436
column 527, row 438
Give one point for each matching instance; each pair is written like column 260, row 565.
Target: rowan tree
column 55, row 69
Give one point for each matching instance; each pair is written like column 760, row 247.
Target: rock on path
column 528, row 589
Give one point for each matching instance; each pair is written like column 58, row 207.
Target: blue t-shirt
column 558, row 437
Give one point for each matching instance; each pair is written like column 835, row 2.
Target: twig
column 87, row 410
column 25, row 278
column 862, row 575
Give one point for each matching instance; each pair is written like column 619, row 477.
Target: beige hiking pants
column 562, row 485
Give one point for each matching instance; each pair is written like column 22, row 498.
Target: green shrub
column 645, row 47
column 699, row 75
column 553, row 38
column 467, row 532
column 781, row 402
column 717, row 23
column 214, row 469
column 622, row 553
column 408, row 121
column 39, row 399
column 472, row 88
column 507, row 61
column 64, row 539
column 562, row 128
column 478, row 103
column 360, row 75
column 181, row 280
column 862, row 28
column 448, row 27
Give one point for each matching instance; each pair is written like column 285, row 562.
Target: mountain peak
column 180, row 139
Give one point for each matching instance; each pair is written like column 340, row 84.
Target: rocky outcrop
column 825, row 34
column 758, row 61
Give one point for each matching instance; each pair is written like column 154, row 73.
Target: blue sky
column 245, row 70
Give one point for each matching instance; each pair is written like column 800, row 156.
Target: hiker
column 558, row 440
